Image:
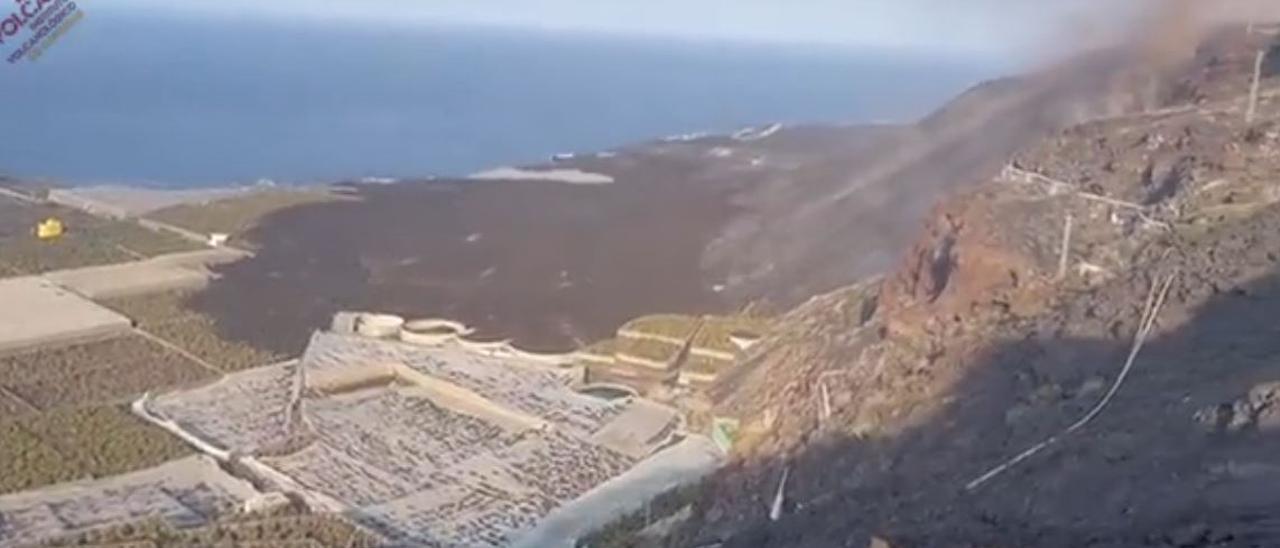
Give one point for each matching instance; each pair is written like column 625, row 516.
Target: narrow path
column 19, row 400
column 19, row 196
column 173, row 229
column 213, row 368
column 131, row 253
column 156, row 226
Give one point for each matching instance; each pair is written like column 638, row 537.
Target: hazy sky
column 964, row 26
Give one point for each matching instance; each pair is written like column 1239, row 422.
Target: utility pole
column 1064, row 258
column 779, row 498
column 1257, row 83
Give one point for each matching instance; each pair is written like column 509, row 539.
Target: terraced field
column 12, row 406
column 89, row 240
column 701, row 365
column 165, row 316
column 718, row 331
column 605, row 348
column 73, row 444
column 111, row 371
column 659, row 338
column 713, row 332
column 289, row 528
column 238, row 215
column 63, row 414
column 648, row 349
column 677, row 326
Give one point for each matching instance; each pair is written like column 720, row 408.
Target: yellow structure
column 50, row 229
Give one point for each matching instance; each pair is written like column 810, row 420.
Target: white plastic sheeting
column 682, row 464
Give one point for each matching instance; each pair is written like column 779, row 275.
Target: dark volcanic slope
column 772, row 214
column 884, row 402
column 546, row 263
column 849, row 216
column 549, row 264
column 691, row 225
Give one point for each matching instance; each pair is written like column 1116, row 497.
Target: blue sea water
column 185, row 102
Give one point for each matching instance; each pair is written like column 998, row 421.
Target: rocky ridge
column 882, row 401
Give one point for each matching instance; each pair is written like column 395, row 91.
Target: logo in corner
column 35, row 25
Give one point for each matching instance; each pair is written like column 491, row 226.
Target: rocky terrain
column 1016, row 321
column 550, row 264
column 690, row 224
column 1078, row 349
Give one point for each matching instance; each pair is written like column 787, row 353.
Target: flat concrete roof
column 36, row 312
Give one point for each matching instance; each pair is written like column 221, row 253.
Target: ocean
column 184, row 102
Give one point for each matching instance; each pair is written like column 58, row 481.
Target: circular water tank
column 487, row 344
column 608, row 392
column 432, row 332
column 379, row 326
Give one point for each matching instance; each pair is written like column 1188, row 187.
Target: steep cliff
column 1011, row 320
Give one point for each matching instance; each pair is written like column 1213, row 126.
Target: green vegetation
column 166, row 316
column 26, row 461
column 75, row 444
column 603, row 348
column 289, row 527
column 714, row 332
column 238, row 215
column 199, row 336
column 648, row 349
column 705, row 366
column 63, row 416
column 717, row 331
column 89, row 240
column 93, row 373
column 10, row 405
column 141, row 240
column 32, row 256
column 666, row 325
